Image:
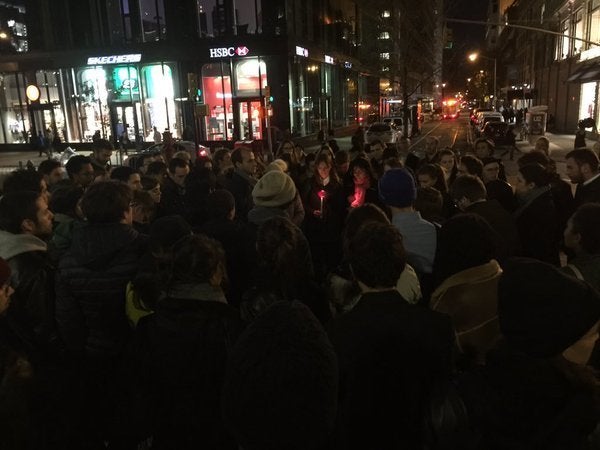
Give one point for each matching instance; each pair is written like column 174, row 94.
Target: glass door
column 251, row 124
column 125, row 122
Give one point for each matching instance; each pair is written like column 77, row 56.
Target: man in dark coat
column 582, row 168
column 389, row 352
column 469, row 194
column 242, row 181
column 173, row 198
column 90, row 304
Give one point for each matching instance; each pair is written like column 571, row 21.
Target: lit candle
column 322, row 194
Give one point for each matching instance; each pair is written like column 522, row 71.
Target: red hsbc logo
column 224, row 52
column 242, row 51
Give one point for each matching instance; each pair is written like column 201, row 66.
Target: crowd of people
column 341, row 299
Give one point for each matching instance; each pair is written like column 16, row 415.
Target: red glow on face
column 202, row 152
column 322, row 194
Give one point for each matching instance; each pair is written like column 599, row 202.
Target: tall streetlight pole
column 473, row 57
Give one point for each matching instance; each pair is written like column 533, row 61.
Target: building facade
column 221, row 70
column 560, row 64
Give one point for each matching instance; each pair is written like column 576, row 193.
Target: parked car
column 473, row 117
column 187, row 146
column 485, row 117
column 496, row 131
column 385, row 132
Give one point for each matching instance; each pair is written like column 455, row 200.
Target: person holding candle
column 325, row 210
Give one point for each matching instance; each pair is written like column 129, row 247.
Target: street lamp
column 473, row 57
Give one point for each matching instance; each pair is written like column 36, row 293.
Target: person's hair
column 376, row 142
column 429, row 203
column 309, row 158
column 535, row 173
column 122, row 173
column 201, row 161
column 102, row 144
column 342, row 157
column 283, row 254
column 435, row 172
column 64, row 200
column 106, row 202
column 15, row 207
column 47, row 166
column 546, row 142
column 284, row 142
column 390, row 152
column 376, row 255
column 393, row 162
column 196, row 259
column 584, row 156
column 75, row 163
column 357, row 217
column 468, row 186
column 177, row 163
column 449, row 152
column 156, row 169
column 220, row 203
column 183, row 154
column 149, row 183
column 464, row 241
column 473, row 164
column 219, row 155
column 236, row 155
column 23, row 180
column 144, row 200
column 533, row 158
column 364, row 164
column 586, row 222
column 326, row 158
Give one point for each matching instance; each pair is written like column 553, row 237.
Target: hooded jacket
column 32, row 304
column 91, row 285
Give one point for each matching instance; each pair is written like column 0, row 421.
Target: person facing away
column 181, row 351
column 389, row 352
column 242, row 180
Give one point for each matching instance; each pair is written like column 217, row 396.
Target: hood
column 14, row 244
column 94, row 245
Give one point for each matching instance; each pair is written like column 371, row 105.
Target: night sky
column 467, row 38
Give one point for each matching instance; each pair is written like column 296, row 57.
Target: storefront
column 241, row 91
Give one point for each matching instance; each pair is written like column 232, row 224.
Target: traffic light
column 198, row 97
column 268, row 97
column 192, row 80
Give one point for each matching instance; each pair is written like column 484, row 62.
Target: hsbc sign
column 227, row 52
column 114, row 59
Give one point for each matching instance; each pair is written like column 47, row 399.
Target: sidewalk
column 560, row 145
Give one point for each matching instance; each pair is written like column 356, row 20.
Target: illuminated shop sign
column 224, row 52
column 301, row 51
column 114, row 59
column 329, row 59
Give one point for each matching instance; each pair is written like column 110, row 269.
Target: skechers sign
column 114, row 59
column 225, row 52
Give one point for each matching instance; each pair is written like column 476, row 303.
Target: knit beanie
column 274, row 189
column 543, row 311
column 5, row 272
column 397, row 188
column 278, row 164
column 280, row 388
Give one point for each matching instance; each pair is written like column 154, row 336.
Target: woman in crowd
column 362, row 187
column 325, row 210
column 152, row 186
column 449, row 163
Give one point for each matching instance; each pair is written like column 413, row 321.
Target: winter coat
column 588, row 193
column 91, row 286
column 172, row 200
column 518, row 402
column 538, row 226
column 180, row 355
column 470, row 298
column 32, row 304
column 588, row 267
column 389, row 354
column 328, row 226
column 240, row 185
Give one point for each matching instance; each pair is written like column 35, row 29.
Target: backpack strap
column 576, row 271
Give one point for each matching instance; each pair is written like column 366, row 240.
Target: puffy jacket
column 91, row 284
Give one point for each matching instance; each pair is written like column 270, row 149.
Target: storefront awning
column 585, row 73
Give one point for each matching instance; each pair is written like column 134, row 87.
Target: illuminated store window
column 216, row 87
column 159, row 107
column 92, row 99
column 248, row 72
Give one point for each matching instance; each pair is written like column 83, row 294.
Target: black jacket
column 180, row 357
column 389, row 354
column 91, row 282
column 172, row 200
column 241, row 189
column 588, row 193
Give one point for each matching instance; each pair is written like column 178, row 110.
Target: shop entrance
column 249, row 121
column 125, row 122
column 47, row 119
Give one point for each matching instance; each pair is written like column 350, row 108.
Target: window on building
column 216, row 85
column 152, row 14
column 564, row 42
column 384, row 35
column 385, row 55
column 578, row 44
column 595, row 22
